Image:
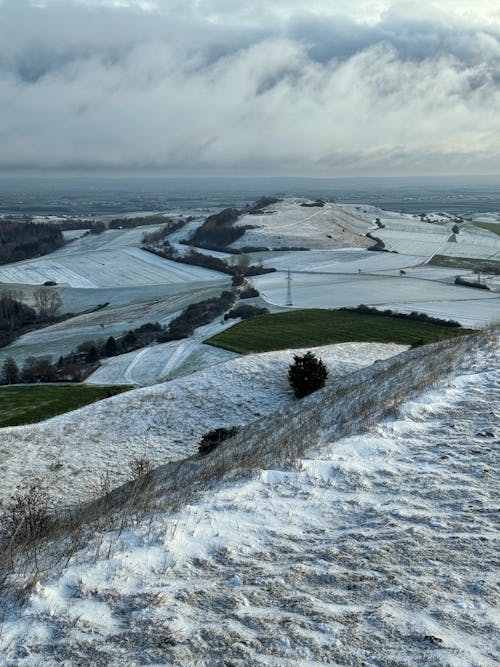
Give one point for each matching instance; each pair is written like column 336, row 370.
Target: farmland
column 300, row 328
column 135, row 287
column 95, row 595
column 113, row 267
column 26, row 405
column 322, row 290
column 112, row 320
column 289, row 224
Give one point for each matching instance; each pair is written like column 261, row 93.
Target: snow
column 348, row 260
column 111, row 259
column 289, row 224
column 317, row 290
column 141, row 287
column 474, row 242
column 164, row 422
column 413, row 237
column 65, row 337
column 470, row 313
column 158, row 363
column 375, row 549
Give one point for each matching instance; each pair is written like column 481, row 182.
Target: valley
column 141, row 536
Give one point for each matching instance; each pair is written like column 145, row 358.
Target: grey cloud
column 341, row 37
column 88, row 86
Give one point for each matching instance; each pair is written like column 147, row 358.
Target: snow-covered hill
column 165, row 422
column 292, row 222
column 377, row 549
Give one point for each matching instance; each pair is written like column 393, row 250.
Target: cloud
column 209, row 88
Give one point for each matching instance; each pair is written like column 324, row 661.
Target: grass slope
column 312, row 327
column 30, row 404
column 470, row 263
column 490, row 226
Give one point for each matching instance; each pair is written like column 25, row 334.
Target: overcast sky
column 276, row 87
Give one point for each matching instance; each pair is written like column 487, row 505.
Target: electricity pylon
column 289, row 289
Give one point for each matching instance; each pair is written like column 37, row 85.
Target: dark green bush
column 245, row 311
column 212, row 439
column 307, row 374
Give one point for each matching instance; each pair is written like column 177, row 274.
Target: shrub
column 249, row 293
column 39, row 369
column 111, row 347
column 27, row 514
column 245, row 311
column 307, row 374
column 414, row 315
column 140, row 466
column 212, row 439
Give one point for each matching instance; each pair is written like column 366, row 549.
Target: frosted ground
column 64, row 337
column 420, row 238
column 339, row 271
column 377, row 549
column 412, row 244
column 474, row 242
column 111, row 259
column 164, row 422
column 159, row 363
column 289, row 224
column 469, row 306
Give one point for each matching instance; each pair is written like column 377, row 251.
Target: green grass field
column 30, row 404
column 490, row 226
column 311, row 327
column 469, row 263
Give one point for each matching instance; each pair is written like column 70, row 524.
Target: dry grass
column 351, row 406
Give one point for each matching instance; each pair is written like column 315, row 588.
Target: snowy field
column 164, row 422
column 159, row 363
column 348, row 260
column 111, row 259
column 289, row 224
column 338, row 271
column 413, row 237
column 412, row 243
column 314, row 290
column 104, row 268
column 377, row 549
column 65, row 337
column 473, row 242
column 79, row 299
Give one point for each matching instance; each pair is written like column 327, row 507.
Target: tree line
column 23, row 240
column 79, row 364
column 242, row 268
column 17, row 317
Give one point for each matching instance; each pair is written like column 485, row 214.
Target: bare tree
column 47, row 301
column 10, row 372
column 243, row 262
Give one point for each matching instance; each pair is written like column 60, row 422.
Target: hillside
column 361, row 549
column 297, row 222
column 163, row 423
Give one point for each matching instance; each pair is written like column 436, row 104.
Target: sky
column 325, row 88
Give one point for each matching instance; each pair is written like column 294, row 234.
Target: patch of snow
column 289, row 224
column 375, row 549
column 164, row 422
column 316, row 290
